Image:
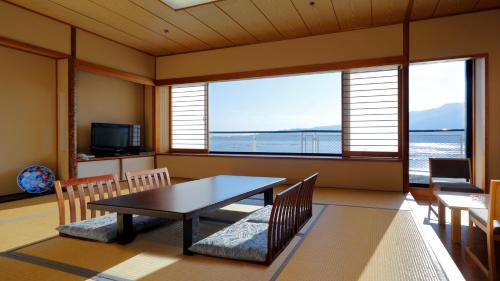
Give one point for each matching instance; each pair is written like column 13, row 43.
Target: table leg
column 268, row 197
column 189, row 234
column 125, row 228
column 456, row 226
column 441, row 213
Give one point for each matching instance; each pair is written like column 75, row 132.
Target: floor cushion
column 241, row 241
column 104, row 229
column 262, row 215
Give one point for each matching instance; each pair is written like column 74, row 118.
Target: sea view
column 449, row 143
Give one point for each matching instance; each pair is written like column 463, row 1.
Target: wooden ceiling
column 153, row 27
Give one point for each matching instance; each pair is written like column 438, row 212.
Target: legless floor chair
column 100, row 228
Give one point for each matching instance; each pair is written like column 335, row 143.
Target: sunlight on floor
column 445, row 260
column 140, row 266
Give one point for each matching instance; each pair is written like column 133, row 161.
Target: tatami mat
column 15, row 270
column 365, row 198
column 156, row 255
column 376, row 240
column 350, row 243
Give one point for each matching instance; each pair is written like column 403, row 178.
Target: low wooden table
column 458, row 201
column 185, row 201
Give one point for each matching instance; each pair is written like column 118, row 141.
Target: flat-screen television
column 115, row 139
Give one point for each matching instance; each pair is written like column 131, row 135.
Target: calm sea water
column 422, row 146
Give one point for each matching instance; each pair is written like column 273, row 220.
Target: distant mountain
column 331, row 127
column 448, row 116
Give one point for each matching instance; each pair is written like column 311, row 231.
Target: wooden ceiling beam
column 284, row 70
column 115, row 73
column 14, row 44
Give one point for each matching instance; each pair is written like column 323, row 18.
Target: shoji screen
column 371, row 111
column 188, row 117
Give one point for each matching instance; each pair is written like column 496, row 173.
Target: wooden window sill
column 278, row 156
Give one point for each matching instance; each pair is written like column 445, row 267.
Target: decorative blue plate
column 36, row 179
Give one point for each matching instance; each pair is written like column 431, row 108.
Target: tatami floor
column 353, row 235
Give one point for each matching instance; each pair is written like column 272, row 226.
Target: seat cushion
column 241, row 241
column 104, row 228
column 456, row 187
column 482, row 216
column 262, row 215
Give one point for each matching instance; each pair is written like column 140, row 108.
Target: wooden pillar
column 405, row 105
column 72, row 145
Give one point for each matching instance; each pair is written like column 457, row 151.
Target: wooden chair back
column 452, row 168
column 283, row 221
column 147, row 179
column 103, row 186
column 494, row 207
column 304, row 208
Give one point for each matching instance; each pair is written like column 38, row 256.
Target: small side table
column 458, row 201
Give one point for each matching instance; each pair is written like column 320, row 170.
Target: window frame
column 469, row 112
column 338, row 66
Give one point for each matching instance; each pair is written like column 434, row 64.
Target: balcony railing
column 423, row 145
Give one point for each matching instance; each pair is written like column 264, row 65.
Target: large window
column 440, row 111
column 299, row 114
column 353, row 112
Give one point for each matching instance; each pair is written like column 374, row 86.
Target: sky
column 313, row 100
column 435, row 84
column 279, row 103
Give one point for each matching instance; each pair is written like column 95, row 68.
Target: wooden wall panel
column 250, row 18
column 444, row 37
column 320, row 17
column 148, row 131
column 25, row 26
column 113, row 55
column 284, row 16
column 377, row 175
column 106, row 100
column 62, row 120
column 336, row 47
column 162, row 119
column 28, row 115
column 222, row 23
column 479, row 140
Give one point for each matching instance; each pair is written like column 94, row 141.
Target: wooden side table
column 456, row 202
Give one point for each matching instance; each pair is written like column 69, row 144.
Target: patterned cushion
column 104, row 228
column 261, row 215
column 242, row 241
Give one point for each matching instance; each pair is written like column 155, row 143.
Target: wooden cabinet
column 115, row 165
